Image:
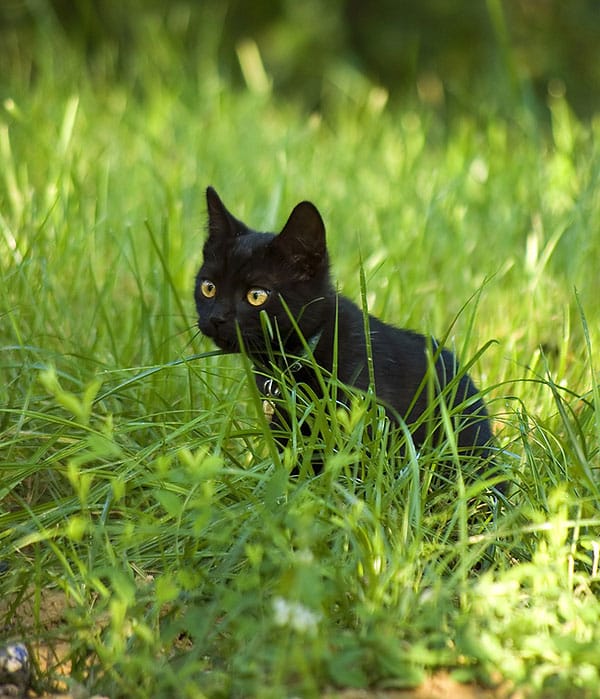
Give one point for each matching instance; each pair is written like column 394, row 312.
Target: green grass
column 138, row 474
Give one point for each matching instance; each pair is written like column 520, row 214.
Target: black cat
column 246, row 274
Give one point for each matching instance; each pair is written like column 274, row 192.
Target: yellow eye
column 257, row 297
column 208, row 289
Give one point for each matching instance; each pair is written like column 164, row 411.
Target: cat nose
column 217, row 320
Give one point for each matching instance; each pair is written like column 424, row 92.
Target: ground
column 50, row 609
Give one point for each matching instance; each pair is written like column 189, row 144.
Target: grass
column 138, row 474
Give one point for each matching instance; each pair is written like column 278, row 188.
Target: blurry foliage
column 445, row 52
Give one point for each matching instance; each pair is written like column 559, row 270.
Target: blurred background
column 474, row 55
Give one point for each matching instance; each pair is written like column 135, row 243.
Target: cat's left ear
column 302, row 239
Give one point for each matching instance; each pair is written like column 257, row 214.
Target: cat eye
column 208, row 289
column 257, row 297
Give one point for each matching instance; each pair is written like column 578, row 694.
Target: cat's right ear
column 221, row 223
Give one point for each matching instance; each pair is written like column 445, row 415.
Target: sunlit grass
column 139, row 475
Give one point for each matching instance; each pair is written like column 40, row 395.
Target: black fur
column 294, row 267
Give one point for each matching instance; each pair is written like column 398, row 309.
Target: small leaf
column 77, row 527
column 166, row 589
column 170, row 502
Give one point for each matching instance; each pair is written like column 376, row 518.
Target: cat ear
column 302, row 239
column 221, row 224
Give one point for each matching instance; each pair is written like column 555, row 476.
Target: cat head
column 246, row 274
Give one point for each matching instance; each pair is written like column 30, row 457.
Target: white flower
column 295, row 615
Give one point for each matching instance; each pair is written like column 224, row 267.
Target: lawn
column 138, row 475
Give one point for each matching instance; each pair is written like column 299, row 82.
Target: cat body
column 287, row 276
